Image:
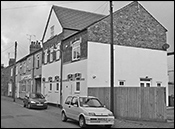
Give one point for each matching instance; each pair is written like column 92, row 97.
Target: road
column 14, row 115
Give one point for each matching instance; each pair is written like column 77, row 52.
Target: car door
column 74, row 108
column 67, row 106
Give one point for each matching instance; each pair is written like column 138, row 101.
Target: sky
column 22, row 20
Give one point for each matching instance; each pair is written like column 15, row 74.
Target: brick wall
column 67, row 54
column 5, row 79
column 133, row 26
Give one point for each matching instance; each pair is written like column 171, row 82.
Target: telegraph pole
column 112, row 62
column 14, row 73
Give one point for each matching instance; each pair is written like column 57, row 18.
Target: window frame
column 45, row 56
column 76, row 48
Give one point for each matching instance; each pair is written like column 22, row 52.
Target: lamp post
column 14, row 73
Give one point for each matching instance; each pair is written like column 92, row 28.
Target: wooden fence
column 134, row 103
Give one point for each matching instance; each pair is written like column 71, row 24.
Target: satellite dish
column 165, row 46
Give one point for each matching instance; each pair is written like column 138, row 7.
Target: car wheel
column 63, row 117
column 24, row 105
column 28, row 105
column 82, row 122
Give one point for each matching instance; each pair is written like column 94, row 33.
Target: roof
column 25, row 57
column 75, row 19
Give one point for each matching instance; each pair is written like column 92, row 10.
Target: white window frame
column 37, row 61
column 24, row 65
column 146, row 82
column 121, row 81
column 45, row 56
column 58, row 51
column 11, row 72
column 76, row 48
column 58, row 86
column 51, row 54
column 77, row 91
column 158, row 83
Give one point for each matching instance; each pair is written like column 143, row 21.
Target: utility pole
column 61, row 74
column 112, row 62
column 14, row 73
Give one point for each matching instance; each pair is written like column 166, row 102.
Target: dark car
column 35, row 100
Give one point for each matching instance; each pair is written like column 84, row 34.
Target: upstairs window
column 24, row 65
column 51, row 54
column 76, row 51
column 57, row 51
column 37, row 61
column 45, row 56
column 11, row 71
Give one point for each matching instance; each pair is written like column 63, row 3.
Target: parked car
column 35, row 100
column 87, row 110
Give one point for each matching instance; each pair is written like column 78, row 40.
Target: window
column 50, row 86
column 21, row 68
column 74, row 101
column 51, row 54
column 24, row 65
column 77, row 86
column 52, row 31
column 57, row 86
column 11, row 71
column 121, row 83
column 45, row 56
column 147, row 84
column 141, row 84
column 76, row 49
column 68, row 100
column 158, row 84
column 37, row 61
column 58, row 51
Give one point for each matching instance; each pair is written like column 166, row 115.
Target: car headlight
column 110, row 114
column 32, row 101
column 91, row 114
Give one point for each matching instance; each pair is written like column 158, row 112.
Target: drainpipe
column 61, row 74
column 33, row 88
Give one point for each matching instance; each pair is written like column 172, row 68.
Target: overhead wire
column 7, row 48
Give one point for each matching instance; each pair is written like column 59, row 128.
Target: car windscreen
column 37, row 96
column 89, row 102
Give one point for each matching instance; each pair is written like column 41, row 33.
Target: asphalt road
column 14, row 115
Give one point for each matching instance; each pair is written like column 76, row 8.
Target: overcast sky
column 19, row 19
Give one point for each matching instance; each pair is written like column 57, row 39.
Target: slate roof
column 75, row 19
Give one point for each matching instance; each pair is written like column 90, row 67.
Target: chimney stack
column 34, row 46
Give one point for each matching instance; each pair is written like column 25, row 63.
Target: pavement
column 119, row 123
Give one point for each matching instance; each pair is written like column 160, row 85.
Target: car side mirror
column 104, row 106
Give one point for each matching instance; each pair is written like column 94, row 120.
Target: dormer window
column 76, row 49
column 52, row 31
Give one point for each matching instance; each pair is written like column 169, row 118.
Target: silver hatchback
column 87, row 110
